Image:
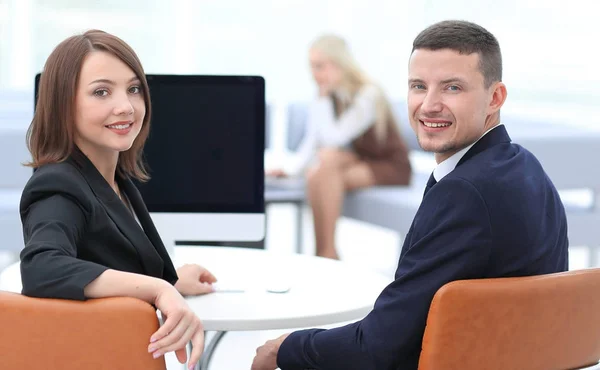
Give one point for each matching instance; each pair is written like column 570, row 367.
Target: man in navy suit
column 489, row 209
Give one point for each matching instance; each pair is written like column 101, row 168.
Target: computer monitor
column 205, row 156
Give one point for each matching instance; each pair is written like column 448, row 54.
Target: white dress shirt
column 448, row 165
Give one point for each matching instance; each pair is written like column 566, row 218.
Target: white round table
column 321, row 291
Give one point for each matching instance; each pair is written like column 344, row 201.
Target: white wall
column 548, row 45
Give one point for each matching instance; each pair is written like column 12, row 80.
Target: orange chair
column 108, row 333
column 547, row 322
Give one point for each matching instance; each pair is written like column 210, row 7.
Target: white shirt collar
column 449, row 164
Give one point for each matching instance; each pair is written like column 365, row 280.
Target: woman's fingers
column 181, row 355
column 159, row 347
column 180, row 341
column 180, row 326
column 170, row 323
column 197, row 347
column 208, row 277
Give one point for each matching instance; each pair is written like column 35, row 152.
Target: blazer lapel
column 497, row 135
column 139, row 207
column 115, row 208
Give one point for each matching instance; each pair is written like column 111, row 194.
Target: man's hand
column 194, row 280
column 266, row 355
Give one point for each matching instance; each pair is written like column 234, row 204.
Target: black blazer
column 496, row 215
column 75, row 227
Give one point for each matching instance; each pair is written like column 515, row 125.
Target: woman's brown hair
column 50, row 137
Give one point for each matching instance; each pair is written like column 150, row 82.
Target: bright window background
column 549, row 46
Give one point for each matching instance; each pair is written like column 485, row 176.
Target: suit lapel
column 139, row 207
column 497, row 135
column 115, row 208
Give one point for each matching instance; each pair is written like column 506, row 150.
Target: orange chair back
column 108, row 333
column 547, row 322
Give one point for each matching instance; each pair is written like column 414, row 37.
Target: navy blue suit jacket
column 496, row 215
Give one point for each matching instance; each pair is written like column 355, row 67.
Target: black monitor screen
column 206, row 145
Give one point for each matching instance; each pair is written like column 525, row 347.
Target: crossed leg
column 337, row 172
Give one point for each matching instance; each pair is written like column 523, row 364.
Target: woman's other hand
column 194, row 280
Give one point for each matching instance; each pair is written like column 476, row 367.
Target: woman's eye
column 135, row 90
column 101, row 92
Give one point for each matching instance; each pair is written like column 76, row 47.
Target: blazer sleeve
column 451, row 240
column 54, row 213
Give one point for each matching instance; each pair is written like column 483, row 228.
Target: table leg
column 210, row 350
column 299, row 227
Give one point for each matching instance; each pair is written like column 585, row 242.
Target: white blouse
column 323, row 129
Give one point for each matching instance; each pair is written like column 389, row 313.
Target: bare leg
column 358, row 176
column 325, row 194
column 337, row 172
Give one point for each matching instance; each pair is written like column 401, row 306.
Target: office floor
column 357, row 242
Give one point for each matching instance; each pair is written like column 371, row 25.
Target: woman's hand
column 194, row 280
column 180, row 326
column 276, row 173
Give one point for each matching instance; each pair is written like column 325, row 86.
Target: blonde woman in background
column 351, row 141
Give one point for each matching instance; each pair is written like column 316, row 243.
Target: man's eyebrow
column 453, row 80
column 415, row 80
column 446, row 81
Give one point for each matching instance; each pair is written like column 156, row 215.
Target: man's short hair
column 465, row 38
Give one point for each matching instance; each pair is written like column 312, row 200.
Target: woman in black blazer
column 87, row 231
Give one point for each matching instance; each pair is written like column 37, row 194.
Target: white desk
column 322, row 291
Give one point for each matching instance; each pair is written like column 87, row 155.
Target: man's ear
column 498, row 97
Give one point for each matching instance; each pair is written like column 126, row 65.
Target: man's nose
column 432, row 103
